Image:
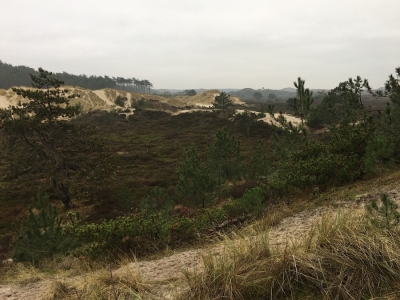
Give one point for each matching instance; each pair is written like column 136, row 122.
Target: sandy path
column 170, row 267
column 293, row 228
column 30, row 291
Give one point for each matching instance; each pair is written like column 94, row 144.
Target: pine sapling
column 385, row 215
column 43, row 234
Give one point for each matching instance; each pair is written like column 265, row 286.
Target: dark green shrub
column 379, row 151
column 157, row 202
column 208, row 218
column 222, row 101
column 183, row 229
column 314, row 119
column 224, row 156
column 120, row 101
column 139, row 104
column 42, row 233
column 195, row 180
column 138, row 232
column 385, row 215
column 252, row 201
column 234, row 208
column 259, row 166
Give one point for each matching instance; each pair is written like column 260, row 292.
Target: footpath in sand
column 169, row 268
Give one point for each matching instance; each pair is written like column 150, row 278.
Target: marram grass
column 343, row 257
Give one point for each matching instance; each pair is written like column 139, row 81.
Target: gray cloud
column 210, row 44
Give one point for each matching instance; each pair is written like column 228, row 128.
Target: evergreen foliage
column 196, row 182
column 120, row 101
column 43, row 235
column 380, row 150
column 384, row 215
column 252, row 201
column 248, row 118
column 20, row 76
column 157, row 202
column 224, row 156
column 46, row 144
column 222, row 101
column 139, row 104
column 259, row 166
column 189, row 93
column 302, row 103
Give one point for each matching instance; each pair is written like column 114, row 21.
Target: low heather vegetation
column 148, row 181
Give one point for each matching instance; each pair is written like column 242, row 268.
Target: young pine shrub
column 120, row 101
column 42, row 234
column 252, row 201
column 385, row 215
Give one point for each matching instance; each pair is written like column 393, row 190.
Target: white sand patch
column 268, row 119
column 183, row 111
column 102, row 95
column 4, row 103
column 203, row 105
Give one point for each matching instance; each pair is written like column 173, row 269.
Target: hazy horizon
column 192, row 44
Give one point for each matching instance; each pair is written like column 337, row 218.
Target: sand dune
column 104, row 99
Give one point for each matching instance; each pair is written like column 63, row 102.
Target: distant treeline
column 19, row 76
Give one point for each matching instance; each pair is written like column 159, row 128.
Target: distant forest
column 19, row 76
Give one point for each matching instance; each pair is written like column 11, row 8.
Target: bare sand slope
column 268, row 119
column 8, row 97
column 104, row 99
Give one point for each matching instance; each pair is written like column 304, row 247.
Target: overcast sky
column 206, row 44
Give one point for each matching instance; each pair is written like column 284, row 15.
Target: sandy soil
column 183, row 111
column 268, row 119
column 203, row 100
column 170, row 268
column 295, row 121
column 4, row 102
column 7, row 98
column 103, row 96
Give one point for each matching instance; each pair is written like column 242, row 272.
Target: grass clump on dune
column 343, row 257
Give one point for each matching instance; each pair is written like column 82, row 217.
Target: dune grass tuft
column 341, row 258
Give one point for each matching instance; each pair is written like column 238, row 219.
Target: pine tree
column 302, row 103
column 195, row 180
column 385, row 215
column 43, row 233
column 43, row 143
column 259, row 164
column 222, row 101
column 224, row 156
column 248, row 118
column 120, row 101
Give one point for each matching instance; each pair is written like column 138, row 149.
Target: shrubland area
column 138, row 181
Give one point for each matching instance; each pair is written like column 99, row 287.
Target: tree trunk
column 63, row 193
